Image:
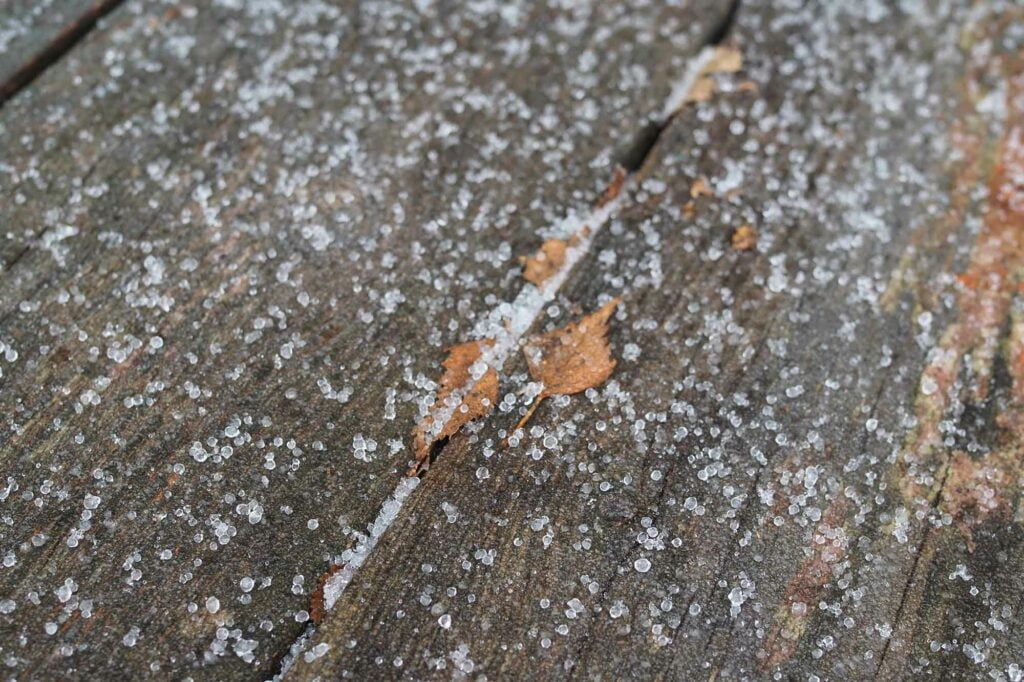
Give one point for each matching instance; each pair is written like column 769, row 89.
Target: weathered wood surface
column 808, row 463
column 35, row 33
column 236, row 238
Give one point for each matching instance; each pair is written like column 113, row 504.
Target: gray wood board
column 795, row 472
column 236, row 238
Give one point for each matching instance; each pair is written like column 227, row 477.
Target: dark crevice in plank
column 721, row 31
column 61, row 44
column 636, row 155
column 639, row 151
column 435, row 452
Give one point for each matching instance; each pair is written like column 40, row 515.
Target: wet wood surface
column 238, row 238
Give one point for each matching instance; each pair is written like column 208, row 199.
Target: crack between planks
column 59, row 46
column 508, row 322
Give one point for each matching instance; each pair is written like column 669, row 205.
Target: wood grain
column 751, row 496
column 236, row 239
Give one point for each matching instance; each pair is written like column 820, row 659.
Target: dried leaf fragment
column 701, row 90
column 700, row 188
column 478, row 401
column 725, row 59
column 573, row 358
column 614, row 187
column 744, row 238
column 317, row 608
column 539, row 267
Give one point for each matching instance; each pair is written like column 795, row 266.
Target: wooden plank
column 807, row 463
column 237, row 238
column 36, row 33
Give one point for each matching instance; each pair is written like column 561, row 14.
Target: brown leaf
column 700, row 188
column 725, row 59
column 701, row 90
column 478, row 401
column 744, row 238
column 573, row 358
column 317, row 610
column 538, row 268
column 613, row 189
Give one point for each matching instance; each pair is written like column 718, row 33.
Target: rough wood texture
column 236, row 238
column 807, row 464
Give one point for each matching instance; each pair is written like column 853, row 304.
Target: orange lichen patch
column 548, row 260
column 975, row 490
column 317, row 610
column 829, row 545
column 689, row 210
column 995, row 268
column 571, row 359
column 613, row 189
column 480, row 397
column 744, row 238
column 969, row 137
column 968, row 280
column 700, row 188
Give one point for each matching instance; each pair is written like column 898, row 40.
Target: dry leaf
column 725, row 59
column 478, row 401
column 571, row 359
column 613, row 189
column 700, row 188
column 701, row 90
column 317, row 610
column 744, row 238
column 539, row 267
